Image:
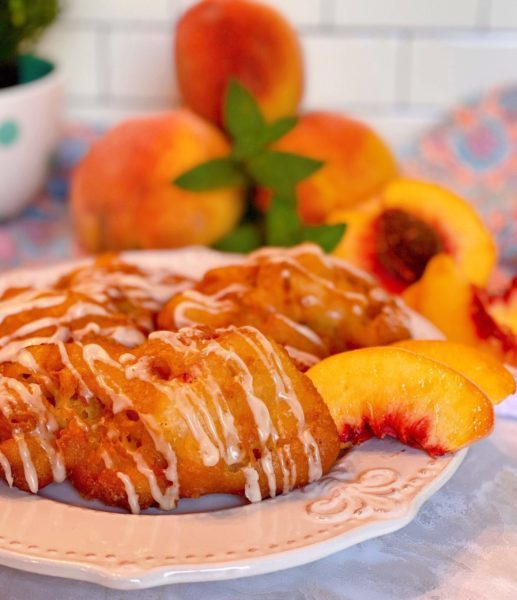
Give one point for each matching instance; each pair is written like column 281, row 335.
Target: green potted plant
column 30, row 99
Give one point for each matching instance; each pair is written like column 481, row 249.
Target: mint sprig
column 281, row 172
column 211, row 175
column 252, row 163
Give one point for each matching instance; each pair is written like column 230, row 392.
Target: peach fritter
column 108, row 298
column 132, row 290
column 310, row 303
column 186, row 413
column 31, row 317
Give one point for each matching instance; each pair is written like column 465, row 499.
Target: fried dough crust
column 31, row 317
column 312, row 304
column 133, row 291
column 222, row 406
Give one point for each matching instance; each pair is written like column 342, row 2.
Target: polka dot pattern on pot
column 9, row 131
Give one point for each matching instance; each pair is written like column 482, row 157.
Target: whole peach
column 122, row 191
column 357, row 163
column 220, row 39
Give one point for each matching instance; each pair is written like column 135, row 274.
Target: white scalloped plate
column 375, row 489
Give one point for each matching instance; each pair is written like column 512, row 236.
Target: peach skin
column 396, row 234
column 387, row 391
column 122, row 195
column 217, row 40
column 357, row 163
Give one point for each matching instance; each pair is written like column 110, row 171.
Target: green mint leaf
column 243, row 119
column 327, row 236
column 244, row 238
column 211, row 175
column 281, row 171
column 283, row 226
column 276, row 130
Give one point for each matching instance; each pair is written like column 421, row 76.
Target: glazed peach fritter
column 310, row 303
column 136, row 292
column 30, row 317
column 109, row 298
column 184, row 414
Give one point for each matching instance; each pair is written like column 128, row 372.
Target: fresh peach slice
column 503, row 306
column 396, row 234
column 390, row 391
column 481, row 368
column 460, row 310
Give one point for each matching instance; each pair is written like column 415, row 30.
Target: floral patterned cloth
column 42, row 233
column 474, row 152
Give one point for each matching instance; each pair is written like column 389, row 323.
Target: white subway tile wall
column 341, row 71
column 397, row 64
column 141, row 67
column 503, row 14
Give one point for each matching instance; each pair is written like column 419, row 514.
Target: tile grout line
column 103, row 62
column 403, row 71
column 484, row 11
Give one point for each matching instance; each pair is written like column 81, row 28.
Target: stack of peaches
column 419, row 239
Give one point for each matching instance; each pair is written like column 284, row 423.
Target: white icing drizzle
column 31, row 477
column 252, row 487
column 233, row 452
column 286, row 482
column 93, row 353
column 287, row 453
column 27, row 360
column 148, row 287
column 6, row 466
column 12, row 392
column 314, row 250
column 263, row 422
column 120, row 401
column 304, row 358
column 285, row 392
column 127, row 357
column 13, row 349
column 193, row 300
column 165, row 449
column 132, row 496
column 266, row 463
column 128, row 336
column 14, row 343
column 184, row 400
column 291, row 257
column 68, row 364
column 28, row 301
column 106, row 459
column 302, row 330
column 91, row 327
column 167, row 500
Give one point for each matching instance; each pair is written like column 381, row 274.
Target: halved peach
column 460, row 310
column 395, row 235
column 483, row 369
column 387, row 391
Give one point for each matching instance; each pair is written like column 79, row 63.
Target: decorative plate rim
column 364, row 496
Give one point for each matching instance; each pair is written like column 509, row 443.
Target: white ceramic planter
column 29, row 128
